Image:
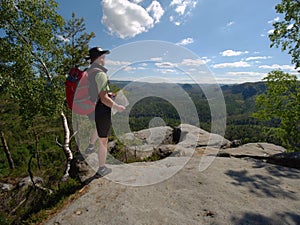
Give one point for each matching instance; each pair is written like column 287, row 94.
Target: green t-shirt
column 102, row 82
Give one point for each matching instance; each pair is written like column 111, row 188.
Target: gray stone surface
column 230, row 191
column 255, row 149
column 191, row 133
column 143, row 144
column 6, row 187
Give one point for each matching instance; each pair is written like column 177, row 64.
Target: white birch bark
column 66, row 146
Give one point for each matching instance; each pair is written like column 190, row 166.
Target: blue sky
column 226, row 40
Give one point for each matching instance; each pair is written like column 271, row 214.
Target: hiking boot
column 89, row 150
column 103, row 171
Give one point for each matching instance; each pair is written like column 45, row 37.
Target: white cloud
column 240, row 77
column 117, row 63
column 276, row 66
column 290, row 26
column 232, row 65
column 274, row 20
column 127, row 19
column 165, row 65
column 271, row 31
column 249, row 74
column 232, row 53
column 62, row 38
column 128, row 68
column 132, row 69
column 257, row 58
column 156, row 59
column 155, row 10
column 172, row 19
column 186, row 41
column 179, row 5
column 136, row 1
column 182, row 8
column 230, row 23
column 195, row 62
column 166, row 71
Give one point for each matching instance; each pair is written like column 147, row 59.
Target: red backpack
column 77, row 94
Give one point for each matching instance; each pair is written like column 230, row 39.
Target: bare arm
column 106, row 100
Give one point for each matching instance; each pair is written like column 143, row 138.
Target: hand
column 119, row 108
column 112, row 95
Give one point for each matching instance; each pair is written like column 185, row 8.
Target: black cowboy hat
column 96, row 52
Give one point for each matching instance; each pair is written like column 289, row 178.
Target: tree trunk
column 7, row 152
column 66, row 146
column 30, row 172
column 37, row 151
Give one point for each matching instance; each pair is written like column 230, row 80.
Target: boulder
column 25, row 182
column 174, row 151
column 140, row 152
column 153, row 136
column 197, row 137
column 4, row 187
column 235, row 143
column 81, row 168
column 163, row 141
column 165, row 150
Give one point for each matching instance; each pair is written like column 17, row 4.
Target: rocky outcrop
column 181, row 142
column 191, row 134
column 253, row 149
column 230, row 191
column 267, row 152
column 156, row 142
column 162, row 140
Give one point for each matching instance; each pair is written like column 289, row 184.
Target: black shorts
column 103, row 119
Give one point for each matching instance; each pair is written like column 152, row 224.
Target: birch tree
column 30, row 55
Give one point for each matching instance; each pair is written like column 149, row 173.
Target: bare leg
column 102, row 151
column 94, row 137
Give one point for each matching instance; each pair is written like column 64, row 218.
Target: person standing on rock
column 99, row 92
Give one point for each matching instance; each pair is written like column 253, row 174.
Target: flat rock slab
column 230, row 191
column 255, row 149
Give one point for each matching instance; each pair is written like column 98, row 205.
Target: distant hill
column 239, row 100
column 247, row 90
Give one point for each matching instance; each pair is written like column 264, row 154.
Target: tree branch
column 7, row 152
column 32, row 52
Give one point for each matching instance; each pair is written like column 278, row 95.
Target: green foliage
column 31, row 98
column 38, row 202
column 287, row 32
column 240, row 104
column 74, row 44
column 4, row 220
column 31, row 56
column 148, row 108
column 30, row 29
column 281, row 104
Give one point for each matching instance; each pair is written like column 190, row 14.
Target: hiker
column 77, row 99
column 99, row 93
